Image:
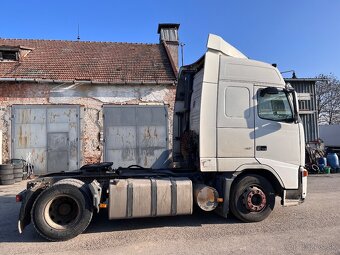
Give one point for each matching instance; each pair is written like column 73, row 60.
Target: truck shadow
column 101, row 223
column 9, row 211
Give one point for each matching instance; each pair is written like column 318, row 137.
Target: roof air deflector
column 215, row 42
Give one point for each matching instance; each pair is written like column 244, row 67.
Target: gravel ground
column 311, row 228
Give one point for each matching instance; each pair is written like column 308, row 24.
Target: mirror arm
column 296, row 114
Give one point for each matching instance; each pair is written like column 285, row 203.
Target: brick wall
column 91, row 99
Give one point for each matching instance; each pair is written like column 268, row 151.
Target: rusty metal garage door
column 135, row 135
column 47, row 136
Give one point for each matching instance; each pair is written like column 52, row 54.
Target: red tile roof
column 95, row 61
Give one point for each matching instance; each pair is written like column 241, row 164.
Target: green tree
column 328, row 99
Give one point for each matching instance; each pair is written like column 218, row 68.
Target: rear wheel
column 252, row 198
column 61, row 212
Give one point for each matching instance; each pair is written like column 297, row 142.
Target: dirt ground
column 311, row 228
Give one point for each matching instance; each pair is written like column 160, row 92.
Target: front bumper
column 298, row 196
column 304, row 174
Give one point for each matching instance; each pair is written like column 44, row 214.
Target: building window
column 9, row 55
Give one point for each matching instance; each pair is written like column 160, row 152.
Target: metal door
column 35, row 129
column 57, row 151
column 135, row 135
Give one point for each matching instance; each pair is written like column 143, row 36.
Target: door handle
column 261, row 148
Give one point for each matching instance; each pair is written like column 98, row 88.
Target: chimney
column 168, row 35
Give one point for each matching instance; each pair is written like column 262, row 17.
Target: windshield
column 275, row 107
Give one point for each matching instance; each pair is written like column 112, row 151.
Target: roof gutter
column 304, row 79
column 34, row 80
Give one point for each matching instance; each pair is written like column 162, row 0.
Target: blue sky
column 303, row 35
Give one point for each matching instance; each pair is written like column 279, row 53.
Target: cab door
column 277, row 138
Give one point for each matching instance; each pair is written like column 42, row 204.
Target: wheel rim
column 254, row 199
column 62, row 212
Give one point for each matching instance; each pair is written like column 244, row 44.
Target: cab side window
column 274, row 107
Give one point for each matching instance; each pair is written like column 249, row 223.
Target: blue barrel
column 322, row 162
column 333, row 160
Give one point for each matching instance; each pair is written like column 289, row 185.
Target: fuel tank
column 151, row 197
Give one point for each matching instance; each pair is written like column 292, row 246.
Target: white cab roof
column 215, row 42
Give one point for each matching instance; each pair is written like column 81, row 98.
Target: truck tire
column 17, row 170
column 75, row 182
column 6, row 171
column 5, row 167
column 252, row 198
column 7, row 182
column 18, row 179
column 61, row 212
column 5, row 177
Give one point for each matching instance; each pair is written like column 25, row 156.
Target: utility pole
column 182, row 52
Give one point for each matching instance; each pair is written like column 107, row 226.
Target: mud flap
column 223, row 209
column 29, row 197
column 96, row 191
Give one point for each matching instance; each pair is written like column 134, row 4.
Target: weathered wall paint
column 91, row 98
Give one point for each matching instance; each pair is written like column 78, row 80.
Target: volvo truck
column 238, row 144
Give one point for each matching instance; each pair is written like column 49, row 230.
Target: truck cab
column 243, row 119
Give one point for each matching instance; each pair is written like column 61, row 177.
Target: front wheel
column 252, row 198
column 61, row 212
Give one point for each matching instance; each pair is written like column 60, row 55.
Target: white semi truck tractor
column 238, row 143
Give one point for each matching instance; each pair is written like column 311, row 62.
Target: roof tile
column 95, row 61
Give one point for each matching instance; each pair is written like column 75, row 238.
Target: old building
column 68, row 103
column 305, row 88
